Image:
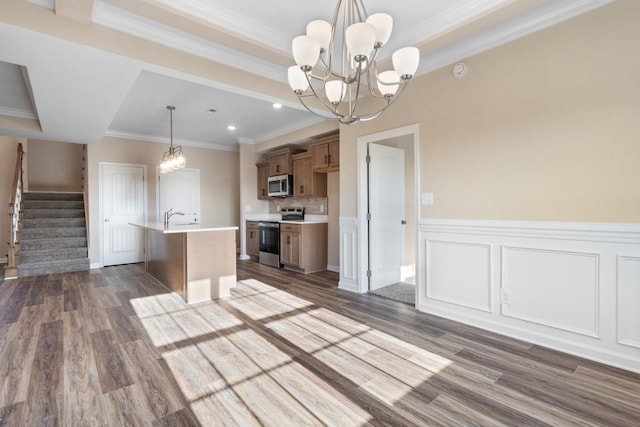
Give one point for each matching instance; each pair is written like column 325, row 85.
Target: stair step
column 51, row 213
column 30, row 223
column 51, row 233
column 55, row 243
column 27, row 256
column 52, row 204
column 51, row 267
column 45, row 195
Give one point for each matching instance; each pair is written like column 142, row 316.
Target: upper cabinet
column 325, row 153
column 280, row 162
column 263, row 184
column 307, row 182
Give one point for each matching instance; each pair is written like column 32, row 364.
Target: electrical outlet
column 505, row 296
column 321, row 208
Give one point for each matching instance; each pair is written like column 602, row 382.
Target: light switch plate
column 426, row 199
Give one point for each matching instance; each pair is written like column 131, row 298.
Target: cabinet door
column 302, row 177
column 253, row 242
column 290, row 249
column 319, row 156
column 334, row 155
column 279, row 164
column 263, row 185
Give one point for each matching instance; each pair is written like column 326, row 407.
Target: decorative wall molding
column 349, row 254
column 459, row 273
column 552, row 287
column 573, row 287
column 628, row 290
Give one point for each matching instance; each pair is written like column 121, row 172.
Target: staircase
column 52, row 234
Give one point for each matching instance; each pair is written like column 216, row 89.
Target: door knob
column 106, row 220
column 403, row 222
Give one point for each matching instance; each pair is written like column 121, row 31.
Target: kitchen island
column 196, row 261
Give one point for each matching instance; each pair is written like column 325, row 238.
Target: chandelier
column 172, row 159
column 336, row 65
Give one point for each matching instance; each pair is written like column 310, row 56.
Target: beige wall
column 8, row 153
column 333, row 217
column 54, row 166
column 219, row 185
column 544, row 128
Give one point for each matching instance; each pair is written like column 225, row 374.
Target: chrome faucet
column 168, row 214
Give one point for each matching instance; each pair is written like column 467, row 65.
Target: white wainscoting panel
column 629, row 300
column 459, row 273
column 574, row 287
column 348, row 254
column 551, row 287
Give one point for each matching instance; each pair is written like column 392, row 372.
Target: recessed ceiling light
column 231, row 127
column 277, row 105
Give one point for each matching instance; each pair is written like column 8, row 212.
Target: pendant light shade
column 406, row 61
column 306, row 50
column 383, row 24
column 174, row 158
column 360, row 39
column 388, row 82
column 321, row 31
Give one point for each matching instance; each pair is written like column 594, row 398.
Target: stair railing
column 11, row 269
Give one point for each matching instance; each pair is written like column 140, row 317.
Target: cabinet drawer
column 291, row 228
column 253, row 224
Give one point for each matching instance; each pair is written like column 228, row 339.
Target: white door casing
column 123, row 199
column 179, row 190
column 386, row 209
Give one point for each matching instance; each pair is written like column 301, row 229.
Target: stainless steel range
column 269, row 243
column 292, row 214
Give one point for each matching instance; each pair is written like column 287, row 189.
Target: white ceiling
column 56, row 87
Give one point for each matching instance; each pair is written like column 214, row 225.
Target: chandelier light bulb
column 335, row 91
column 383, row 23
column 321, row 31
column 297, row 79
column 388, row 82
column 360, row 38
column 406, row 61
column 306, row 50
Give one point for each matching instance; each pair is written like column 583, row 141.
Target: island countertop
column 181, row 228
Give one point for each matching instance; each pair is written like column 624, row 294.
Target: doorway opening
column 387, row 194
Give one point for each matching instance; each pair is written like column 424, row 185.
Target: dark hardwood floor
column 113, row 347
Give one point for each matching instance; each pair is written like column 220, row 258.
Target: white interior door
column 123, row 200
column 386, row 209
column 180, row 190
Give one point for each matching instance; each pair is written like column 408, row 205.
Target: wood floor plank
column 72, row 300
column 112, row 369
column 45, row 396
column 11, row 416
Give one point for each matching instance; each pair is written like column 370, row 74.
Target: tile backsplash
column 313, row 206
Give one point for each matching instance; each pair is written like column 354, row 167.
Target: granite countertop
column 182, row 228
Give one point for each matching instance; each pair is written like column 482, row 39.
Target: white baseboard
column 334, row 268
column 560, row 285
column 244, row 257
column 95, row 265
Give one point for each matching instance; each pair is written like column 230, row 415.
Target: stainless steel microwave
column 280, row 185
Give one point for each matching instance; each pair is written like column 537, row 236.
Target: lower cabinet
column 303, row 247
column 253, row 238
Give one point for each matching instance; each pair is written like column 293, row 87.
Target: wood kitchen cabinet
column 325, row 154
column 280, row 161
column 253, row 238
column 263, row 180
column 303, row 247
column 307, row 182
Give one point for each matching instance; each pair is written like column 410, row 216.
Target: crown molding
column 222, row 17
column 49, row 4
column 537, row 19
column 163, row 140
column 124, row 21
column 15, row 112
